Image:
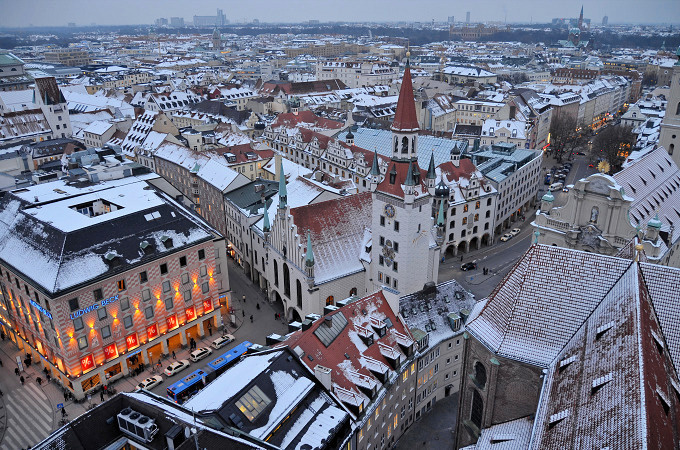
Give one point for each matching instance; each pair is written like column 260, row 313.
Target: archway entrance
column 474, row 243
column 462, row 247
column 486, row 239
column 293, row 315
column 277, row 303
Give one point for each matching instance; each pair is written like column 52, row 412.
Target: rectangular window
column 148, row 312
column 101, row 313
column 182, row 261
column 395, row 265
column 382, row 221
column 78, row 323
column 164, row 269
column 124, row 304
column 166, row 286
column 98, row 294
column 106, row 332
column 121, row 285
column 204, row 270
column 82, row 342
column 381, row 260
column 127, row 322
column 143, row 278
column 187, row 296
column 169, row 303
column 146, row 295
column 185, row 278
column 72, row 304
column 396, row 247
column 205, row 287
column 396, row 225
column 201, row 254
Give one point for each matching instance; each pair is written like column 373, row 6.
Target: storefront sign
column 132, row 341
column 110, row 351
column 87, row 362
column 191, row 313
column 80, row 312
column 41, row 309
column 172, row 322
column 152, row 331
column 207, row 306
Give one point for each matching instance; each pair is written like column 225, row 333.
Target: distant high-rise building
column 467, row 17
column 161, row 22
column 452, row 19
column 605, row 20
column 177, row 22
column 207, row 21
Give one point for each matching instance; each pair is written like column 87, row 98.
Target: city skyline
column 40, row 13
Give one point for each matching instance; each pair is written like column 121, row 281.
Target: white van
column 556, row 186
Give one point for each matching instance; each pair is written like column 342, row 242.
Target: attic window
column 658, row 342
column 565, row 362
column 152, row 216
column 167, row 241
column 603, row 329
column 557, row 418
column 146, row 247
column 599, row 382
column 665, row 401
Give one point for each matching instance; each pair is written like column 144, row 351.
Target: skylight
column 253, row 403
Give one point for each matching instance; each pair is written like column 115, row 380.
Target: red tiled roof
column 48, row 87
column 402, row 169
column 346, row 355
column 332, row 218
column 405, row 118
column 309, row 135
column 453, row 173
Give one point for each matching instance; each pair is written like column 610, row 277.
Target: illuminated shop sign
column 41, row 309
column 104, row 302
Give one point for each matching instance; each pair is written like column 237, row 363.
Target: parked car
column 515, row 231
column 200, row 353
column 176, row 367
column 150, row 382
column 222, row 341
column 565, row 189
column 556, row 186
column 468, row 266
column 506, row 237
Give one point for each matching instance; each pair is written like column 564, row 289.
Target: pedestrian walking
column 210, row 331
column 63, row 412
column 243, row 311
column 101, row 396
column 251, row 318
column 257, row 306
column 65, row 396
column 16, row 371
column 276, row 316
column 2, row 335
column 21, row 378
column 39, row 381
column 49, row 377
column 173, row 355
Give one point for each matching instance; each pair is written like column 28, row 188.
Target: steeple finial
column 309, row 256
column 283, row 195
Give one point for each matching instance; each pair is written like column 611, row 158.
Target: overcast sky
column 122, row 12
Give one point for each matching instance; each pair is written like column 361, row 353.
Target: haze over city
column 131, row 12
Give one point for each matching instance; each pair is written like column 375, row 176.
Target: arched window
column 404, row 145
column 286, row 280
column 396, row 145
column 276, row 273
column 480, row 375
column 413, row 144
column 671, row 148
column 298, row 286
column 330, row 300
column 353, row 291
column 477, row 411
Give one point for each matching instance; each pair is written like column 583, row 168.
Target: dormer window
column 167, row 241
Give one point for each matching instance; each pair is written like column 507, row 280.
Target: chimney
column 323, row 374
column 328, row 321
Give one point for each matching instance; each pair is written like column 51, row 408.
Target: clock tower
column 404, row 252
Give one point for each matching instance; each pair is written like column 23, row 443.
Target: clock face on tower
column 389, row 211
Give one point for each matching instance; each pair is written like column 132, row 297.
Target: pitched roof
column 401, row 169
column 48, row 89
column 405, row 118
column 290, row 120
column 337, row 229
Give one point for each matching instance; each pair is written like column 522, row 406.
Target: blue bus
column 187, row 386
column 217, row 367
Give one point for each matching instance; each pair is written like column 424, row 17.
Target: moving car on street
column 515, row 231
column 176, row 367
column 506, row 237
column 150, row 382
column 222, row 341
column 468, row 266
column 200, row 353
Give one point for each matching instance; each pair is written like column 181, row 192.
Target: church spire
column 375, row 170
column 309, row 257
column 440, row 216
column 266, row 226
column 431, row 174
column 283, row 195
column 405, row 118
column 409, row 175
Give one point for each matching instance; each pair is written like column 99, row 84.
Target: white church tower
column 669, row 137
column 404, row 252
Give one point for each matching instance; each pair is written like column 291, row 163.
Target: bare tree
column 565, row 137
column 613, row 144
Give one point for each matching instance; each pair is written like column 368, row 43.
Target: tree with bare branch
column 565, row 137
column 613, row 144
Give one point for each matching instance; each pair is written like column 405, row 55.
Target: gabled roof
column 405, row 118
column 305, row 117
column 401, row 168
column 337, row 230
column 49, row 91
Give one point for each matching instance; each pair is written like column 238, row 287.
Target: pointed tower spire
column 409, row 175
column 431, row 174
column 283, row 195
column 405, row 118
column 375, row 170
column 309, row 256
column 266, row 226
column 440, row 216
